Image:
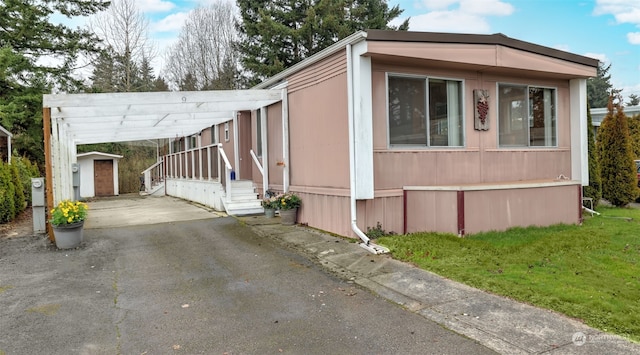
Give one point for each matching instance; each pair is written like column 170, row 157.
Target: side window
column 226, row 131
column 526, row 116
column 425, row 112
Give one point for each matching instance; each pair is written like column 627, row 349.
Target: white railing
column 228, row 168
column 152, row 176
column 202, row 163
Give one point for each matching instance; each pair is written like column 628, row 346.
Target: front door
column 244, row 146
column 103, row 177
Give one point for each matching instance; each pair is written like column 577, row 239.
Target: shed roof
column 119, row 117
column 4, row 132
column 99, row 154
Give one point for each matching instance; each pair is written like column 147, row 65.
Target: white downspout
column 366, row 242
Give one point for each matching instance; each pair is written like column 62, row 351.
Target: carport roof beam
column 117, row 117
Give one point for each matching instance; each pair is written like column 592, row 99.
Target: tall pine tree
column 275, row 35
column 37, row 56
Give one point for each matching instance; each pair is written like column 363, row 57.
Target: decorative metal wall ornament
column 481, row 112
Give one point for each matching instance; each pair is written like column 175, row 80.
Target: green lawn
column 589, row 272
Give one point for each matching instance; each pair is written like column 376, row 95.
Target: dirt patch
column 22, row 226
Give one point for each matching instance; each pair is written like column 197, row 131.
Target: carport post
column 46, row 126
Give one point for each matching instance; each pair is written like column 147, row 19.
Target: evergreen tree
column 160, row 85
column 599, row 88
column 26, row 37
column 278, row 34
column 619, row 181
column 634, row 132
column 634, row 100
column 146, row 79
column 594, row 189
column 103, row 77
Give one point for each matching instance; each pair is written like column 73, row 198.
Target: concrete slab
column 131, row 210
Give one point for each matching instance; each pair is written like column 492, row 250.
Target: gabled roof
column 427, row 37
column 492, row 39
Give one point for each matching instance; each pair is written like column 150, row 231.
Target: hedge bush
column 15, row 187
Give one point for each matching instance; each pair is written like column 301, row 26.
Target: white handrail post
column 193, row 164
column 209, row 162
column 200, row 161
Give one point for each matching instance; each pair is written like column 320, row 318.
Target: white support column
column 9, row 148
column 579, row 148
column 265, row 151
column 236, row 145
column 285, row 140
column 200, row 161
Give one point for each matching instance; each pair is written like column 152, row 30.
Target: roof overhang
column 5, row 133
column 120, row 117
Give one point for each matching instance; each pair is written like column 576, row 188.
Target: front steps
column 244, row 199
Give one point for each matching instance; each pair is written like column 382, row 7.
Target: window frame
column 427, row 145
column 227, row 137
column 528, row 115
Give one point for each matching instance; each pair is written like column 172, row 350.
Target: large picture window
column 526, row 116
column 425, row 111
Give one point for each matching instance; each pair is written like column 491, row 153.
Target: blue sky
column 608, row 30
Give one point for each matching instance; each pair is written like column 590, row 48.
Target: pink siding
column 502, row 209
column 432, row 211
column 494, row 209
column 318, row 126
column 319, row 150
column 480, row 160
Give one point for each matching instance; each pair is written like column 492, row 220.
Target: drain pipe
column 366, row 242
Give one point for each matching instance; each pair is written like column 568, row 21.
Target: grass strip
column 589, row 272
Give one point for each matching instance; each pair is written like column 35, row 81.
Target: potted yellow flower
column 67, row 220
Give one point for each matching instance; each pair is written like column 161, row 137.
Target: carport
column 73, row 119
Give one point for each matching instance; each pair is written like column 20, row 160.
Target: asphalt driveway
column 207, row 285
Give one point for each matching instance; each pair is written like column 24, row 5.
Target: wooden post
column 46, row 126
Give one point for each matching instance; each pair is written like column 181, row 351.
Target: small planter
column 288, row 217
column 269, row 212
column 68, row 236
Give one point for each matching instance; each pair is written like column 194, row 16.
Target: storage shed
column 98, row 174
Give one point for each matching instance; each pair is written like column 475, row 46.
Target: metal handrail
column 255, row 160
column 228, row 168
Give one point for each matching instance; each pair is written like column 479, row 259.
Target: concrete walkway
column 501, row 324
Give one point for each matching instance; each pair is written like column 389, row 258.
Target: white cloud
column 487, row 7
column 599, row 56
column 562, row 47
column 461, row 16
column 633, row 37
column 170, row 23
column 436, row 4
column 624, row 11
column 155, row 5
column 449, row 21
